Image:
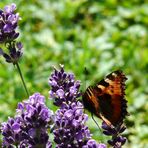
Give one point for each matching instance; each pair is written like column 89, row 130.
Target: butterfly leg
column 95, row 121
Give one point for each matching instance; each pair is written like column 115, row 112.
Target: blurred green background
column 100, row 35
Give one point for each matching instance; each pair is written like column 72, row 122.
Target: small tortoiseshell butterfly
column 106, row 99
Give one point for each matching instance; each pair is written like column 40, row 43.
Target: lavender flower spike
column 35, row 118
column 29, row 127
column 64, row 88
column 70, row 130
column 117, row 140
column 8, row 25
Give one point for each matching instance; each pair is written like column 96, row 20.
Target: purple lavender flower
column 117, row 140
column 29, row 128
column 70, row 130
column 8, row 23
column 64, row 88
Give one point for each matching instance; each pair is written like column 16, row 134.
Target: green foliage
column 100, row 35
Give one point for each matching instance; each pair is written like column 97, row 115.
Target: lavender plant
column 8, row 35
column 30, row 126
column 70, row 129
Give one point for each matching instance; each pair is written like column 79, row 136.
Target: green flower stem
column 20, row 73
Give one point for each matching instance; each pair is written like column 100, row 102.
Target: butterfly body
column 106, row 99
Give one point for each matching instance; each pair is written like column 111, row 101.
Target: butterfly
column 106, row 99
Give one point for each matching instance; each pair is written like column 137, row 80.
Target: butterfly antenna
column 86, row 73
column 96, row 122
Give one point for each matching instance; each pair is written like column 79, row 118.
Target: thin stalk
column 20, row 73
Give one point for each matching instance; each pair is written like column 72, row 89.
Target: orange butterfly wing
column 106, row 99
